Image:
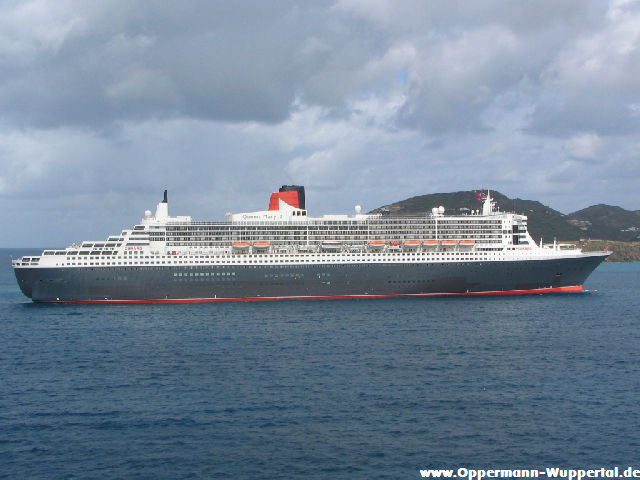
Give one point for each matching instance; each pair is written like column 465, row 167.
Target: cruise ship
column 283, row 253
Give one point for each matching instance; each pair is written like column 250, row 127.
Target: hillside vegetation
column 607, row 222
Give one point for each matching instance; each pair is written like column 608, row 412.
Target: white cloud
column 585, row 146
column 32, row 27
column 594, row 76
column 452, row 82
column 604, row 57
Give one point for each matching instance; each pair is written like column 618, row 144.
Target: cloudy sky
column 103, row 104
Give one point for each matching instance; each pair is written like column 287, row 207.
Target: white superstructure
column 288, row 235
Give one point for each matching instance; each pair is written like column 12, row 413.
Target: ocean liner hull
column 299, row 281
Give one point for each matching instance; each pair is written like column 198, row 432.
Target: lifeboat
column 376, row 244
column 412, row 243
column 467, row 243
column 241, row 246
column 449, row 242
column 261, row 245
column 430, row 243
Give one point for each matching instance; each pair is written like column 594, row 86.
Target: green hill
column 607, row 222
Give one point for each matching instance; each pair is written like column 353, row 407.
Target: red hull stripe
column 571, row 289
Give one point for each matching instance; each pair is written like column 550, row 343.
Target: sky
column 103, row 105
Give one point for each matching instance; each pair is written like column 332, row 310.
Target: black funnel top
column 164, row 200
column 295, row 188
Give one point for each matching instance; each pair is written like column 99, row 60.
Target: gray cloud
column 104, row 104
column 92, row 63
column 148, row 59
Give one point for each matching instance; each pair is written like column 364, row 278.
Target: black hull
column 331, row 280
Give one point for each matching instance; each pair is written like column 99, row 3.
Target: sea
column 325, row 389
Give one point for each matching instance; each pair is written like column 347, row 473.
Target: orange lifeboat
column 241, row 246
column 377, row 244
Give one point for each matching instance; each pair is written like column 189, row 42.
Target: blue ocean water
column 353, row 389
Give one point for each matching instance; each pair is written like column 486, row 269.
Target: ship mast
column 487, row 206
